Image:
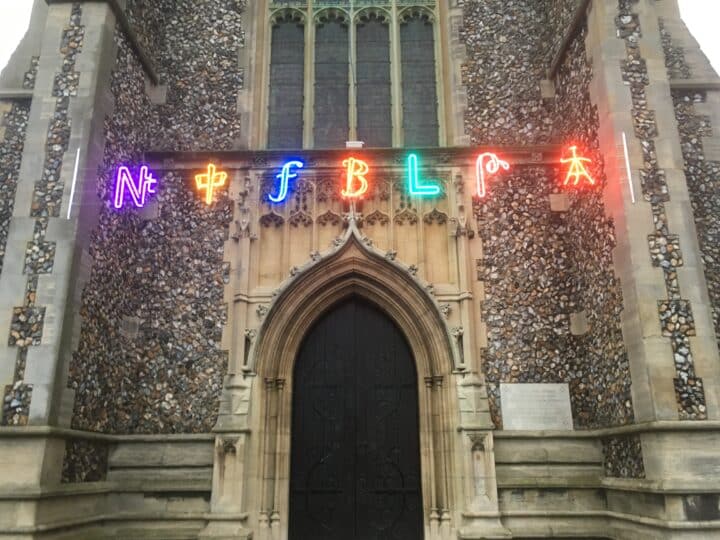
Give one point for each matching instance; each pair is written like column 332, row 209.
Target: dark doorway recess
column 355, row 463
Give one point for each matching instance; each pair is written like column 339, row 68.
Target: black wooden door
column 355, row 457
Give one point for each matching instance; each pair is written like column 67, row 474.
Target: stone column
column 666, row 322
column 55, row 204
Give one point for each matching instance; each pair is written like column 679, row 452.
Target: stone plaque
column 535, row 406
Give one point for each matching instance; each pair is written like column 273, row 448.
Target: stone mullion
column 675, row 313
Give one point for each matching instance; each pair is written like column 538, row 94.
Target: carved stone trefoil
column 406, row 216
column 435, row 216
column 329, row 218
column 377, row 217
column 273, row 219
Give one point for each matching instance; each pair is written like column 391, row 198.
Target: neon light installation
column 356, row 169
column 138, row 191
column 209, row 181
column 487, row 163
column 414, row 185
column 577, row 169
column 285, row 176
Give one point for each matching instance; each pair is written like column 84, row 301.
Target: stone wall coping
column 653, row 522
column 644, row 427
column 63, row 433
column 642, row 485
column 16, row 93
column 111, row 517
column 62, row 490
column 694, row 84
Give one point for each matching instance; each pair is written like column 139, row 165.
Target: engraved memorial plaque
column 535, row 406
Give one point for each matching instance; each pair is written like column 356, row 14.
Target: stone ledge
column 106, row 517
column 658, row 523
column 645, row 427
column 641, row 485
column 64, row 433
column 694, row 84
column 16, row 94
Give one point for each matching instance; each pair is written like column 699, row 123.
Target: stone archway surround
column 353, row 270
column 258, row 456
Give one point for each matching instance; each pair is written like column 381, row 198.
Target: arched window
column 287, row 79
column 356, row 72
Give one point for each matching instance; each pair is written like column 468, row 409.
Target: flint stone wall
column 543, row 267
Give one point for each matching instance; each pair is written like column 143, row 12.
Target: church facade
column 363, row 269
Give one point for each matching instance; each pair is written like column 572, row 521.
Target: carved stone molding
column 273, row 219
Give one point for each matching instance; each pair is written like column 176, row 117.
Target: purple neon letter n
column 139, row 192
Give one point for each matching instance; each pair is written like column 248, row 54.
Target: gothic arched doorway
column 355, row 456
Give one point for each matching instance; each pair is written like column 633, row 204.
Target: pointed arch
column 353, row 268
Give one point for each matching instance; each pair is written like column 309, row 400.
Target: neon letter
column 210, row 181
column 414, row 186
column 284, row 177
column 491, row 166
column 146, row 184
column 576, row 169
column 356, row 170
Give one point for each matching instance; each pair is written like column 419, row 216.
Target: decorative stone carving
column 228, row 446
column 242, row 229
column 261, row 311
column 300, row 218
column 329, row 218
column 413, row 269
column 327, row 190
column 377, row 217
column 406, row 215
column 435, row 216
column 390, row 255
column 273, row 219
column 445, row 309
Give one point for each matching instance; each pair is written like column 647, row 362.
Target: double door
column 355, row 458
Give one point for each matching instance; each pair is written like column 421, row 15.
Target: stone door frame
column 352, row 267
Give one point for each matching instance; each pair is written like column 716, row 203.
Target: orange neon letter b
column 356, row 169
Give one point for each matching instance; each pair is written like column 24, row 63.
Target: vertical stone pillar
column 60, row 158
column 666, row 322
